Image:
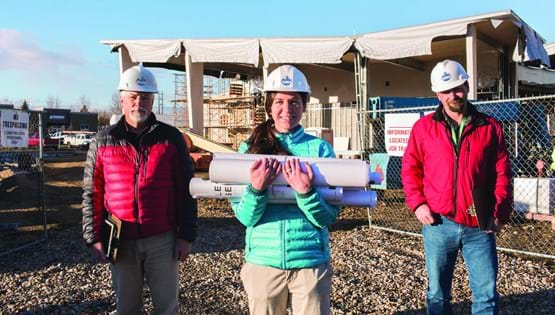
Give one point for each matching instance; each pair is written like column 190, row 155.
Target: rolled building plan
column 200, row 188
column 345, row 164
column 330, row 172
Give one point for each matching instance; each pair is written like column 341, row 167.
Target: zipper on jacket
column 458, row 148
column 145, row 162
column 467, row 154
column 283, row 247
column 455, row 168
column 136, row 198
column 456, row 175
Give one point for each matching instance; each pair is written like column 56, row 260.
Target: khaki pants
column 269, row 289
column 153, row 258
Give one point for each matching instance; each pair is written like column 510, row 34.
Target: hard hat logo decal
column 286, row 81
column 445, row 77
column 141, row 81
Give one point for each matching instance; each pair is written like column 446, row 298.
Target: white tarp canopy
column 304, row 50
column 550, row 48
column 243, row 51
column 536, row 75
column 405, row 42
column 386, row 45
column 223, row 50
column 159, row 51
column 417, row 40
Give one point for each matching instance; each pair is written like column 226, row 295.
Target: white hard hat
column 286, row 78
column 446, row 75
column 138, row 79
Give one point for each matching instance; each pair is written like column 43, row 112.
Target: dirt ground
column 20, row 203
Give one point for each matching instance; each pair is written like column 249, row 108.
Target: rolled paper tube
column 331, row 172
column 200, row 188
column 281, row 158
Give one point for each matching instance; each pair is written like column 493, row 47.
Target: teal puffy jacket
column 288, row 236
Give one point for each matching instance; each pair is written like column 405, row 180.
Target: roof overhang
column 410, row 47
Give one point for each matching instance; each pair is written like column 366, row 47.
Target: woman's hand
column 300, row 181
column 263, row 172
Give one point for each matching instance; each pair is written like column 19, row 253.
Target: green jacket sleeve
column 250, row 208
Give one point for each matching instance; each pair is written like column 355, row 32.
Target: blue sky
column 52, row 48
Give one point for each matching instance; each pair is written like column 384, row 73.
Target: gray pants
column 270, row 289
column 153, row 258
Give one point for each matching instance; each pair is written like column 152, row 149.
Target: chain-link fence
column 22, row 212
column 528, row 124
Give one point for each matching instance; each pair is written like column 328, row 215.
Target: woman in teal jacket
column 287, row 245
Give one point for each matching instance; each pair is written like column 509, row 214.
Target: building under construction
column 230, row 110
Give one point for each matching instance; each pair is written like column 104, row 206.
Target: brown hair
column 263, row 140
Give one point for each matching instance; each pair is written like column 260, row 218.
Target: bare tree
column 85, row 101
column 6, row 100
column 84, row 104
column 53, row 102
column 104, row 118
column 115, row 106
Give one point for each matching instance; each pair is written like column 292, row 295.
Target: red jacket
column 433, row 173
column 146, row 189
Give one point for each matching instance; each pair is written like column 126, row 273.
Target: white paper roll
column 330, row 172
column 200, row 188
column 281, row 158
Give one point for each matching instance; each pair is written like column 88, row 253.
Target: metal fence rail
column 22, row 211
column 528, row 125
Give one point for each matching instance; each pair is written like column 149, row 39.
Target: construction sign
column 14, row 128
column 397, row 132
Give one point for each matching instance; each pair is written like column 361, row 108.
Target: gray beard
column 139, row 117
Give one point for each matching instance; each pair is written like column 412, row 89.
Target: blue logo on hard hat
column 286, row 81
column 141, row 81
column 446, row 77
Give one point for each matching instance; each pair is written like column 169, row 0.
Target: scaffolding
column 180, row 113
column 230, row 119
column 230, row 112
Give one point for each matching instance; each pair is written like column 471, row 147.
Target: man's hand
column 494, row 226
column 97, row 251
column 182, row 249
column 424, row 214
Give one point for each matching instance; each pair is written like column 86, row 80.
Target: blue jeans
column 442, row 242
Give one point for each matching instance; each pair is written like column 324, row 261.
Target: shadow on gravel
column 219, row 235
column 539, row 302
column 348, row 224
column 101, row 306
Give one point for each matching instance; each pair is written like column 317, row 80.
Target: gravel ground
column 374, row 272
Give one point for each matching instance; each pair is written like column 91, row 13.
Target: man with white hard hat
column 457, row 182
column 138, row 172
